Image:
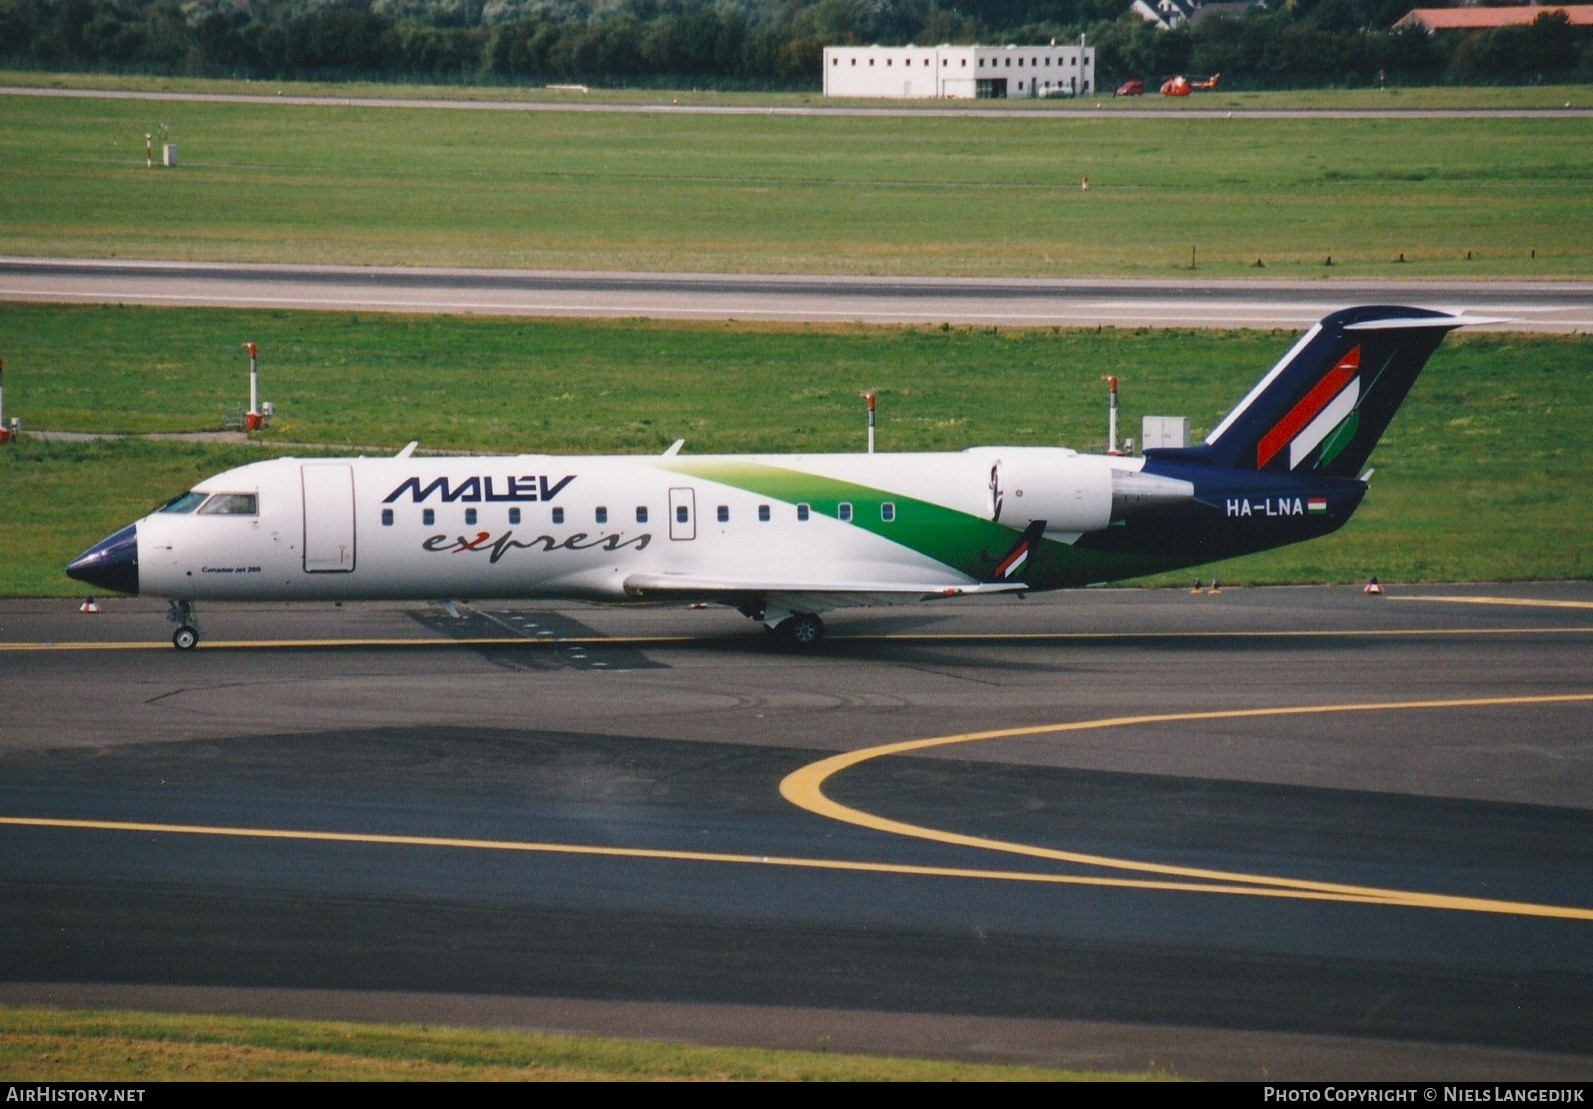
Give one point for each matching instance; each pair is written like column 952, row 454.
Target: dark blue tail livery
column 1322, row 408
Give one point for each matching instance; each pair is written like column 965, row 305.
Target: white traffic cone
column 1372, row 587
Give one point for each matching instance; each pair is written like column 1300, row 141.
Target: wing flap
column 803, row 596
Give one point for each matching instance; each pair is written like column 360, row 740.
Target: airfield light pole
column 4, row 434
column 869, row 397
column 1111, row 414
column 252, row 420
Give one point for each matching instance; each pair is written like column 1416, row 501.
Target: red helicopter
column 1183, row 86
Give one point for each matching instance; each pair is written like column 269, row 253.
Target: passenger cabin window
column 231, row 504
column 428, row 516
column 558, row 515
column 185, row 503
column 470, row 516
column 514, row 515
column 682, row 514
column 763, row 513
column 387, row 517
column 802, row 512
column 843, row 512
column 724, row 514
column 887, row 512
column 641, row 514
column 602, row 514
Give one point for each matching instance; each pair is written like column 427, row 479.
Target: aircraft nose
column 111, row 564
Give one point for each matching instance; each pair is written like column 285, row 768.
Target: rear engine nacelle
column 1072, row 493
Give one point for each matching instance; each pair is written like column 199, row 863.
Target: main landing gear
column 800, row 629
column 792, row 629
column 186, row 637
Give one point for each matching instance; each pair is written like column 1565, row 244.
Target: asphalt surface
column 1559, row 307
column 1292, row 834
column 1141, row 109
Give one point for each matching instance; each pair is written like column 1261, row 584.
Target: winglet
column 674, row 448
column 1010, row 566
column 409, row 449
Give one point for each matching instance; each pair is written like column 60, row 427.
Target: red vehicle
column 1130, row 88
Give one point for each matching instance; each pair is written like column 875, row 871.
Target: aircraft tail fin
column 1323, row 407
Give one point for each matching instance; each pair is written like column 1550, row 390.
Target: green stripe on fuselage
column 967, row 543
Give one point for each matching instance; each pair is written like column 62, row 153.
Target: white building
column 959, row 72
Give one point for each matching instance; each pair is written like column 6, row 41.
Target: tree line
column 758, row 44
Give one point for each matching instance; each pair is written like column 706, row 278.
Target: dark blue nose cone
column 110, row 564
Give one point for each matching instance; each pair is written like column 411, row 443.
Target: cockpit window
column 231, row 504
column 187, row 502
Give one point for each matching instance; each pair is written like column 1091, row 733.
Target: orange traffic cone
column 89, row 605
column 1215, row 588
column 1372, row 587
column 1197, row 586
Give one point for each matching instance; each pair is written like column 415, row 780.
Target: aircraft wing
column 803, row 596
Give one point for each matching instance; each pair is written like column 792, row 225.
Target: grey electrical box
column 170, row 151
column 1164, row 431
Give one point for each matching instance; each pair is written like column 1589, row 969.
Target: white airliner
column 783, row 538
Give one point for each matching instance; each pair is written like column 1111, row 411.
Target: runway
column 1284, row 833
column 1553, row 307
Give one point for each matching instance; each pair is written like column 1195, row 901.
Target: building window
column 602, row 514
column 514, row 515
column 843, row 512
column 802, row 512
column 763, row 514
column 641, row 514
column 887, row 512
column 724, row 514
column 428, row 516
column 387, row 517
column 558, row 515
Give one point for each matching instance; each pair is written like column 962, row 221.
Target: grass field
column 39, row 1045
column 1481, row 476
column 801, row 194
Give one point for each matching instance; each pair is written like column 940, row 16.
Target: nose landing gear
column 186, row 637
